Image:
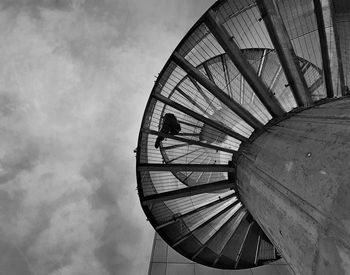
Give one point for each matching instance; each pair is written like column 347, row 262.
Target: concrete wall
column 295, row 180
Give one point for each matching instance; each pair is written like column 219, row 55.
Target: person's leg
column 158, row 140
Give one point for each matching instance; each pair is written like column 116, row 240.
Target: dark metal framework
column 240, row 69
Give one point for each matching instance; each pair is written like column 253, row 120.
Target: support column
column 294, row 180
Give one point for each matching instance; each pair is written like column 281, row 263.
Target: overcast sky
column 75, row 76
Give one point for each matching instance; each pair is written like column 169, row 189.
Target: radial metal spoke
column 243, row 65
column 188, row 134
column 260, row 68
column 196, row 157
column 227, row 77
column 203, row 94
column 190, row 141
column 241, row 90
column 190, row 174
column 188, row 191
column 203, row 207
column 185, row 167
column 324, row 48
column 191, row 100
column 216, row 91
column 179, row 145
column 184, row 155
column 208, row 72
column 262, row 62
column 275, row 77
column 199, row 117
column 205, row 223
column 283, row 45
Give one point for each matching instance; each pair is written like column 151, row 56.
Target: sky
column 75, row 76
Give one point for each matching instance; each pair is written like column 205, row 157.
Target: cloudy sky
column 75, row 76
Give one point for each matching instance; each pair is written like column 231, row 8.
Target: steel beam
column 190, row 141
column 203, row 207
column 216, row 91
column 188, row 191
column 185, row 167
column 199, row 117
column 188, row 134
column 243, row 65
column 339, row 59
column 281, row 41
column 324, row 48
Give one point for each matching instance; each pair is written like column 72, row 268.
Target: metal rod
column 257, row 250
column 186, row 154
column 191, row 100
column 186, row 167
column 243, row 65
column 339, row 59
column 275, row 77
column 227, row 77
column 179, row 145
column 200, row 90
column 216, row 91
column 324, row 48
column 208, row 72
column 281, row 41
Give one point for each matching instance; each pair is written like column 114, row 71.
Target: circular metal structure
column 244, row 66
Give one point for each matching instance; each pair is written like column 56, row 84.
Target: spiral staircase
column 243, row 67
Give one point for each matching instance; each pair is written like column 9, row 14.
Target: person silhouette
column 170, row 126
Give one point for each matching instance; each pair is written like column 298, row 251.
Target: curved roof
column 241, row 67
